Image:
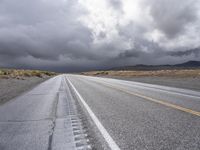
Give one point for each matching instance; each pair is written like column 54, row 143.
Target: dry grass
column 20, row 74
column 158, row 73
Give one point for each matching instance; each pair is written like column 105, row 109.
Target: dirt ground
column 12, row 87
column 181, row 73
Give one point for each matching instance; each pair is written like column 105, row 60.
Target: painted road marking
column 101, row 128
column 197, row 113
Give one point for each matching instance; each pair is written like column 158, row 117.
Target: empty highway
column 129, row 115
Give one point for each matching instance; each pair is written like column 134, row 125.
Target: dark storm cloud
column 129, row 53
column 42, row 30
column 138, row 53
column 195, row 52
column 49, row 34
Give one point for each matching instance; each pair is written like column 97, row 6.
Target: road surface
column 129, row 115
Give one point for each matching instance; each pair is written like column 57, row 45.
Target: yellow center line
column 197, row 113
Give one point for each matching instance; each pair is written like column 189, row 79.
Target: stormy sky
column 78, row 35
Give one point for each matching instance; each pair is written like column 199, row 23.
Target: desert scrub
column 1, row 72
column 15, row 73
column 181, row 73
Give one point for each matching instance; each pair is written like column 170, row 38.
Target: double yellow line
column 162, row 102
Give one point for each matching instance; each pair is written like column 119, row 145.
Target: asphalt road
column 135, row 115
column 26, row 121
column 143, row 116
column 44, row 118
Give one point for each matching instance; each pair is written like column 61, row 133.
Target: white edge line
column 101, row 128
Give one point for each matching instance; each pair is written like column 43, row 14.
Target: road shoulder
column 10, row 88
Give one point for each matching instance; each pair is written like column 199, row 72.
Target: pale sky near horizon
column 77, row 35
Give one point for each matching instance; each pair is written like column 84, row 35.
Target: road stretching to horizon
column 128, row 115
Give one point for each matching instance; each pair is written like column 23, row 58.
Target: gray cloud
column 173, row 16
column 195, row 52
column 51, row 35
column 117, row 4
column 129, row 53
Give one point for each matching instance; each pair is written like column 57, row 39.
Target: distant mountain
column 186, row 65
column 189, row 64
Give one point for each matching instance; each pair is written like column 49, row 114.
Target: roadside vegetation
column 156, row 73
column 20, row 74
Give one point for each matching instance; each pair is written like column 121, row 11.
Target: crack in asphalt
column 53, row 123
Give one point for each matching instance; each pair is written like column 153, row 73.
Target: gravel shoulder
column 186, row 83
column 12, row 87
